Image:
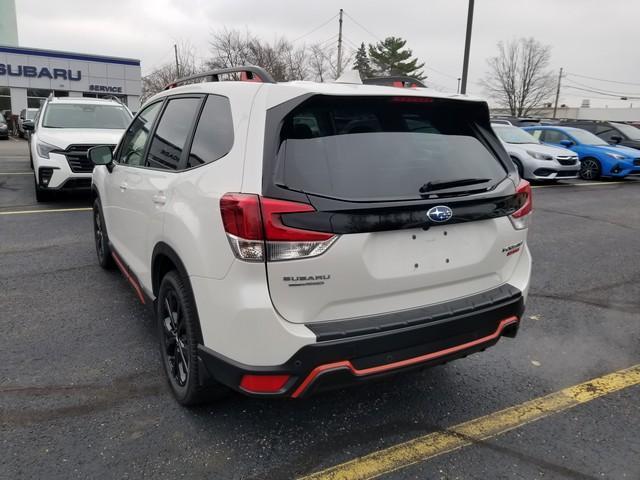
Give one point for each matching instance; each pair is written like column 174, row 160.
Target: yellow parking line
column 437, row 443
column 48, row 210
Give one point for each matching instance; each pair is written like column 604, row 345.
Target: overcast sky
column 593, row 38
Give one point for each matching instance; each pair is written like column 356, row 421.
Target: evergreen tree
column 362, row 63
column 391, row 58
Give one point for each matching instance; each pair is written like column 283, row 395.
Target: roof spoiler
column 395, row 81
column 248, row 73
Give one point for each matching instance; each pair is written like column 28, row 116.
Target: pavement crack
column 627, row 307
column 587, row 217
column 90, row 398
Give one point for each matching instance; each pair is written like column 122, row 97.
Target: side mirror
column 615, row 139
column 567, row 143
column 101, row 155
column 28, row 126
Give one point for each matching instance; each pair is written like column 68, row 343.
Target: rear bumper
column 348, row 357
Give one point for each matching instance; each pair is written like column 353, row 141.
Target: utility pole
column 555, row 105
column 175, row 50
column 339, row 70
column 467, row 46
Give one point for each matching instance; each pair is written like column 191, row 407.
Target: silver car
column 534, row 160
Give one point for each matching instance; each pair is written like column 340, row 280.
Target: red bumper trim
column 402, row 363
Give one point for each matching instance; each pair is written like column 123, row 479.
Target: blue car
column 597, row 157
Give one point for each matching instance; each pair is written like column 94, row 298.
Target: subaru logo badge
column 439, row 214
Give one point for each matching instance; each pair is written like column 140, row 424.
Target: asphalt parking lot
column 82, row 393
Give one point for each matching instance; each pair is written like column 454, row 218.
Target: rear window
column 85, row 115
column 380, row 148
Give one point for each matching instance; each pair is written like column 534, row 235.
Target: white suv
column 294, row 237
column 63, row 132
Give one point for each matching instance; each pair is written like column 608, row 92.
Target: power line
column 589, row 88
column 314, row 30
column 453, row 77
column 602, row 89
column 363, row 27
column 350, row 42
column 329, row 41
column 614, row 95
column 602, row 79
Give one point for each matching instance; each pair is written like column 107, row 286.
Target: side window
column 554, row 136
column 605, row 132
column 131, row 150
column 214, row 134
column 172, row 133
column 536, row 134
column 589, row 127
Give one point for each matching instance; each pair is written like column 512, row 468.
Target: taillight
column 521, row 218
column 255, row 230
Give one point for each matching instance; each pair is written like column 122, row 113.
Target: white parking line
column 48, row 210
column 16, row 173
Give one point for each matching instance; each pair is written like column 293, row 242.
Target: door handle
column 124, row 186
column 159, row 198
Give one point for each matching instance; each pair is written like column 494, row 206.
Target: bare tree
column 518, row 77
column 319, row 67
column 157, row 80
column 322, row 62
column 232, row 48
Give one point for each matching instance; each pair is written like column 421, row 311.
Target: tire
column 518, row 167
column 42, row 195
column 101, row 238
column 179, row 336
column 590, row 169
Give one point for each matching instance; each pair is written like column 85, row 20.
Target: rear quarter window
column 214, row 134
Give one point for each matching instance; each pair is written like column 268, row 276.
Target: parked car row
column 552, row 152
column 4, row 128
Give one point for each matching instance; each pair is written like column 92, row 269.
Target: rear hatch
column 415, row 192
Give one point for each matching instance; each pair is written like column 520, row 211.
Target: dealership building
column 30, row 75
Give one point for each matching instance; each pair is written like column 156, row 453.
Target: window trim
column 152, row 132
column 116, row 157
column 193, row 135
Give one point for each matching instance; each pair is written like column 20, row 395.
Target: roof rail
column 249, row 73
column 114, row 98
column 395, row 81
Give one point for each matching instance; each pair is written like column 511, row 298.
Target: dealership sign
column 34, row 72
column 105, row 88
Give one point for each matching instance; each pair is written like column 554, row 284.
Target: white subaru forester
column 294, row 237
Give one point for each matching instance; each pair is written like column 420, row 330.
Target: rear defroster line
column 346, row 364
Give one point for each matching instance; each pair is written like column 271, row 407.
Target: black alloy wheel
column 179, row 332
column 101, row 238
column 590, row 169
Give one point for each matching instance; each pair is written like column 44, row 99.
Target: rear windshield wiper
column 433, row 186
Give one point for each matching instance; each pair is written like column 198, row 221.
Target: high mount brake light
column 255, row 230
column 521, row 218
